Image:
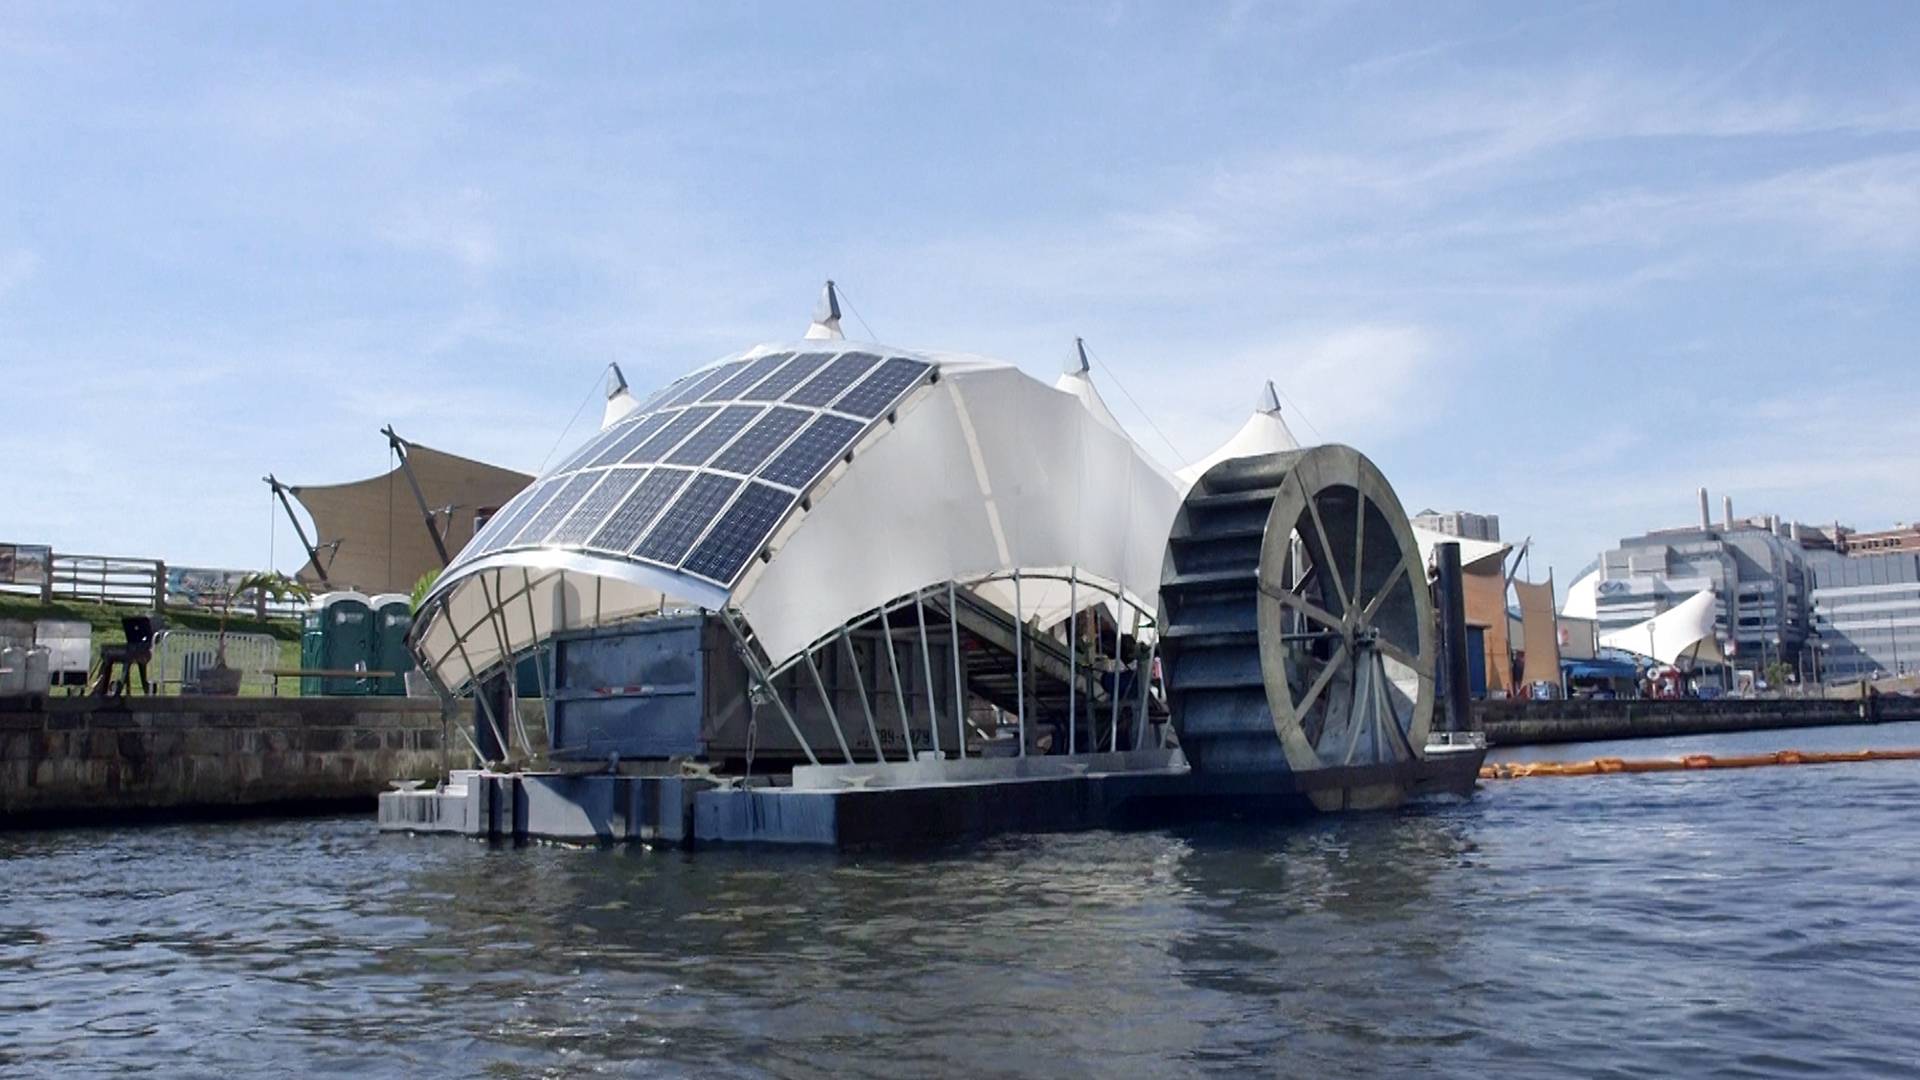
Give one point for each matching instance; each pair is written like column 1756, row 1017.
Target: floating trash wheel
column 1299, row 629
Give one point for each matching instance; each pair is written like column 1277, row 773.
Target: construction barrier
column 1516, row 770
column 179, row 656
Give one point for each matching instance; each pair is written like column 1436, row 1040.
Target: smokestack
column 1706, row 520
column 1793, row 531
column 1726, row 504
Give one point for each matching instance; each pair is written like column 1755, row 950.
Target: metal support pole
column 1020, row 662
column 1143, row 675
column 400, row 446
column 480, row 696
column 833, row 715
column 1073, row 659
column 926, row 671
column 499, row 621
column 899, row 695
column 1450, row 583
column 860, row 684
column 543, row 665
column 959, row 684
column 1113, row 722
column 766, row 685
column 313, row 553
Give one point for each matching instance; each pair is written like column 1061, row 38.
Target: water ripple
column 1738, row 924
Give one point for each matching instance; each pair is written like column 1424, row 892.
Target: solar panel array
column 697, row 479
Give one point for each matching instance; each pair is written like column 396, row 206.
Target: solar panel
column 517, row 512
column 809, row 454
column 739, row 533
column 761, row 440
column 495, row 523
column 780, row 382
column 599, row 441
column 543, row 522
column 708, row 440
column 670, row 435
column 629, row 436
column 586, row 517
column 683, row 523
column 834, row 378
column 880, row 390
column 665, row 393
column 703, row 383
column 752, row 373
column 629, row 522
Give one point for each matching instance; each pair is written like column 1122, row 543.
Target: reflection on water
column 1742, row 924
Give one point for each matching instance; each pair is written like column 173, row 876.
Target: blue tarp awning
column 1599, row 669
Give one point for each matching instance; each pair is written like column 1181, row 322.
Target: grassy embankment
column 105, row 620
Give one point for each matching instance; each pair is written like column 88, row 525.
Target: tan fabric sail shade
column 370, row 533
column 1541, row 637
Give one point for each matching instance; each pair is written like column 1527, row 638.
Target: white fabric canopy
column 1685, row 630
column 988, row 471
column 983, row 471
column 1583, row 597
column 1263, row 433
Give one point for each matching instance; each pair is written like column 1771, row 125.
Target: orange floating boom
column 1519, row 769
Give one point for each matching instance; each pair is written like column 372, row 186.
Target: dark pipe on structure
column 1450, row 597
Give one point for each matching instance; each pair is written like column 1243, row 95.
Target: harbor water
column 1760, row 922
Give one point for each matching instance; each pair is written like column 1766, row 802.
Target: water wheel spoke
column 1320, row 682
column 1392, row 714
column 1360, row 714
column 1325, row 551
column 1359, row 545
column 1373, row 606
column 1306, row 607
column 1396, row 654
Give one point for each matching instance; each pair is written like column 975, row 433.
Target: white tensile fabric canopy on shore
column 1686, row 631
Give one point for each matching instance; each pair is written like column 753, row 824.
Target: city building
column 1830, row 602
column 1866, row 614
column 1752, row 565
column 1897, row 539
column 1462, row 523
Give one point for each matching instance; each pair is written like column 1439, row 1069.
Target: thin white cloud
column 17, row 267
column 456, row 225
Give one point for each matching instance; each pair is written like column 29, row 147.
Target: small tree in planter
column 422, row 587
column 272, row 585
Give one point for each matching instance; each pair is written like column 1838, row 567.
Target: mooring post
column 1451, row 600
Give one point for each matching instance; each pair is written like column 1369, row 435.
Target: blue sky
column 1563, row 263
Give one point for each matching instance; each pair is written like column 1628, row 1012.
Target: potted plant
column 221, row 679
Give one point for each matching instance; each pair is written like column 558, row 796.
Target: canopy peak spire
column 826, row 317
column 1077, row 364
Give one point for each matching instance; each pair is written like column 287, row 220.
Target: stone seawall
column 1515, row 723
column 80, row 759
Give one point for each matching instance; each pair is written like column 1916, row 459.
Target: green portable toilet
column 337, row 634
column 392, row 618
